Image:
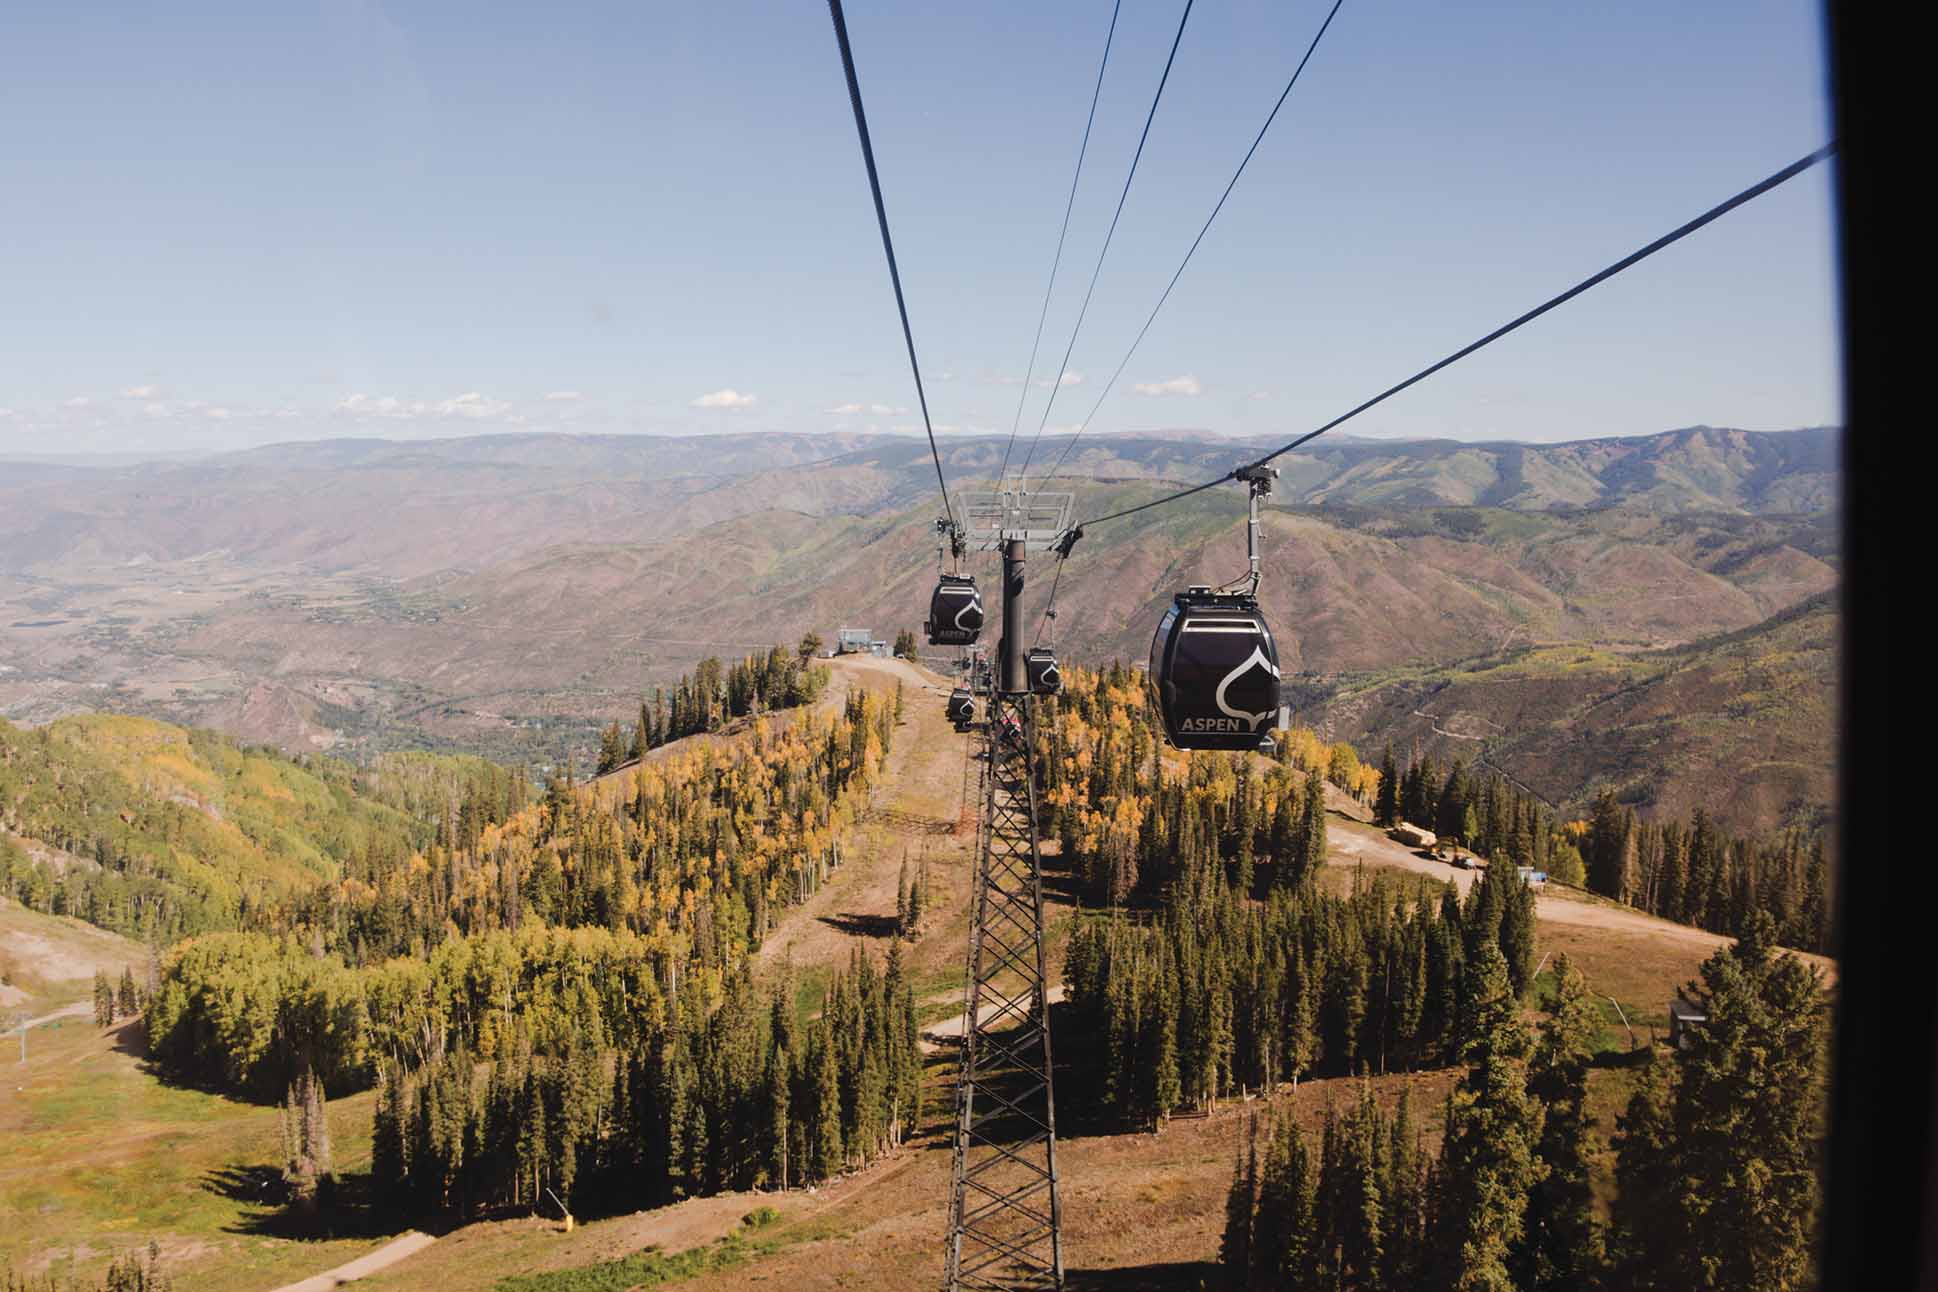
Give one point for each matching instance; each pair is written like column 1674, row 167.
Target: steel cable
column 1056, row 382
column 888, row 245
column 1714, row 213
column 1056, row 262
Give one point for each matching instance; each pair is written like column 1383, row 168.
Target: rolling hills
column 507, row 595
column 1737, row 724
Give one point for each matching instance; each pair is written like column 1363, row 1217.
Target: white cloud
column 6, row 412
column 1041, row 383
column 561, row 396
column 367, row 406
column 1185, row 385
column 79, row 401
column 138, row 392
column 219, row 414
column 855, row 410
column 471, row 405
column 1260, row 394
column 156, row 409
column 728, row 398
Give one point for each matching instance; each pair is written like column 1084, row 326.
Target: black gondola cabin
column 1040, row 664
column 955, row 612
column 962, row 707
column 1215, row 671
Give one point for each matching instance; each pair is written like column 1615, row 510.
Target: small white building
column 851, row 641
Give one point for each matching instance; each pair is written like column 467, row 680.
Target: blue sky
column 236, row 224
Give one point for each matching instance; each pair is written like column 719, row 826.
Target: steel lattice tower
column 1005, row 1218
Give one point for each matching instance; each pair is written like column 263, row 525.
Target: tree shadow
column 1162, row 1276
column 263, row 1093
column 131, row 1038
column 1061, row 887
column 343, row 1207
column 1636, row 1058
column 863, row 926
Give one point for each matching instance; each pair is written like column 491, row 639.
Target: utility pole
column 1005, row 1209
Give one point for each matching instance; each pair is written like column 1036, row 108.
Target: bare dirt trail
column 913, row 813
column 407, row 1244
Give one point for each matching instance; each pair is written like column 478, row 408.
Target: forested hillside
column 569, row 992
column 561, row 996
column 1223, row 966
column 1716, row 1151
column 159, row 832
column 156, row 831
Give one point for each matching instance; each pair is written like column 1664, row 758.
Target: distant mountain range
column 506, row 593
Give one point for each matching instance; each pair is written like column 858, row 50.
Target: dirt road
column 950, row 1028
column 364, row 1266
column 1351, row 843
column 79, row 1009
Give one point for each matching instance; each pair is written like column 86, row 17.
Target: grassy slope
column 101, row 1158
column 47, row 961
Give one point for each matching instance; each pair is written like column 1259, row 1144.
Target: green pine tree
column 103, row 999
column 1487, row 1160
column 1563, row 1245
column 1386, row 808
column 1649, row 1233
column 1749, row 1118
column 1235, row 1255
column 824, row 1120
